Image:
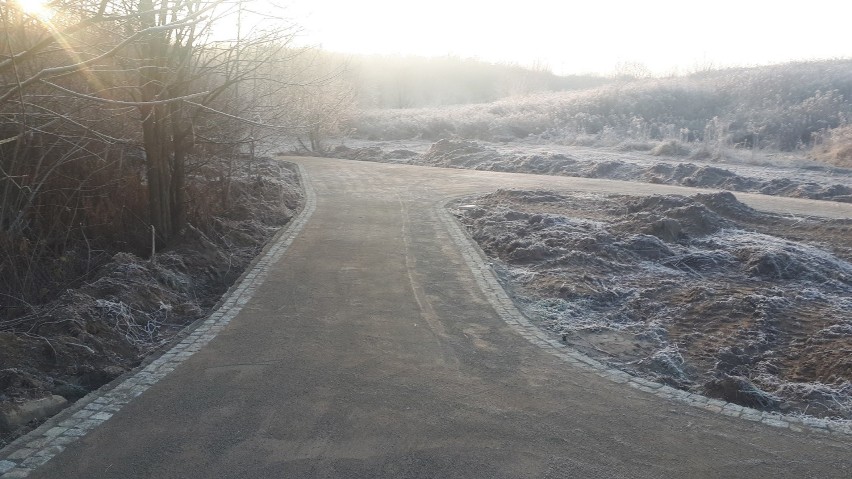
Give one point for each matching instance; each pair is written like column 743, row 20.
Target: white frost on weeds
column 137, row 327
column 681, row 290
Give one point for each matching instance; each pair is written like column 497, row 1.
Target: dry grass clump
column 670, row 148
column 835, row 147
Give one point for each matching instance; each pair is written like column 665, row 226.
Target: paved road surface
column 370, row 352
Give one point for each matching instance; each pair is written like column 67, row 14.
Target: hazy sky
column 589, row 36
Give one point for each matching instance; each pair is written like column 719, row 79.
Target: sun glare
column 580, row 37
column 39, row 9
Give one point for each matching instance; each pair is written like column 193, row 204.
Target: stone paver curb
column 487, row 280
column 21, row 457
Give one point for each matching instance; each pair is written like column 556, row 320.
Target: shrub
column 670, row 148
column 835, row 147
column 778, row 107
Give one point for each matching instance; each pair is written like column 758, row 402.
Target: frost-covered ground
column 761, row 172
column 93, row 333
column 702, row 293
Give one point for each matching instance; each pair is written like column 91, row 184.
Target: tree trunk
column 155, row 125
column 183, row 140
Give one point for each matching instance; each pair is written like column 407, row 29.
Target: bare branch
column 125, row 103
column 244, row 120
column 9, row 140
column 59, row 116
column 55, row 71
column 56, row 36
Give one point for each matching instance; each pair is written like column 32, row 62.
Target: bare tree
column 321, row 98
column 101, row 110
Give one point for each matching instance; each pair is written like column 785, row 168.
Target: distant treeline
column 413, row 82
column 785, row 107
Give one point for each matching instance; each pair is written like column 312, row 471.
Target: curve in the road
column 374, row 341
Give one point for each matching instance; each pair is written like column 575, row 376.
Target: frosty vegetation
column 393, row 82
column 132, row 185
column 113, row 113
column 820, row 182
column 701, row 293
column 128, row 306
column 791, row 107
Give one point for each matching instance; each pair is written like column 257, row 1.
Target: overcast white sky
column 592, row 36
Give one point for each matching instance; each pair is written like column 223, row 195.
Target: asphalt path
column 370, row 351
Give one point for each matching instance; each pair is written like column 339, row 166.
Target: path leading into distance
column 370, row 350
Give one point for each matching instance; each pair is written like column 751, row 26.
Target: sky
column 593, row 36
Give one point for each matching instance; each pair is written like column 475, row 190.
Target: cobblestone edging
column 39, row 446
column 496, row 295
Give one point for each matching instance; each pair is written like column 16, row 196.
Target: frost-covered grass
column 821, row 182
column 835, row 147
column 87, row 335
column 712, row 114
column 701, row 293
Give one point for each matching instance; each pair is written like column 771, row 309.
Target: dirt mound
column 131, row 306
column 613, row 170
column 726, row 205
column 400, row 155
column 740, row 390
column 535, row 196
column 454, row 146
column 468, row 154
column 672, row 218
column 713, row 177
column 372, row 153
column 460, row 154
column 702, row 293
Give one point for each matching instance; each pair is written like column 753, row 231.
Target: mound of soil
column 702, row 293
column 467, row 154
column 92, row 334
column 372, row 153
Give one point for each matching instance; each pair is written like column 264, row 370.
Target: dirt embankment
column 473, row 155
column 702, row 293
column 92, row 334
